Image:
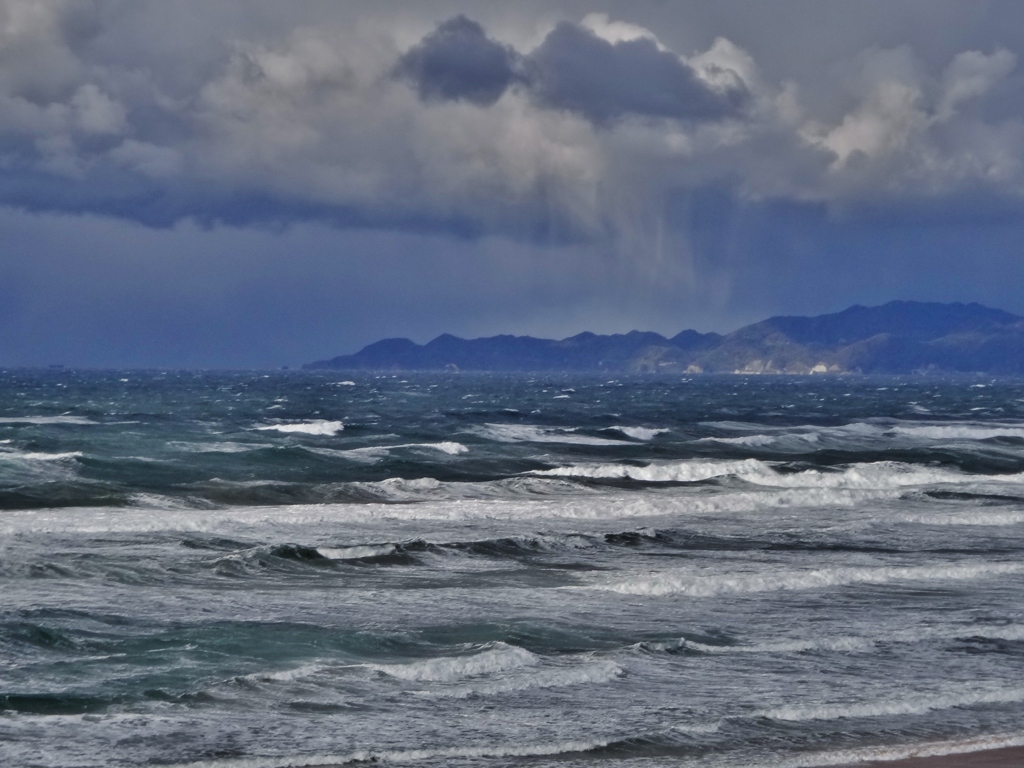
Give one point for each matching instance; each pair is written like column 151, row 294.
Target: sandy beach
column 1010, row 757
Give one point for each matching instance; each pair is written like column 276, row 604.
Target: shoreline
column 1004, row 757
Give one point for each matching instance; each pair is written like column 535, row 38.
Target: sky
column 257, row 183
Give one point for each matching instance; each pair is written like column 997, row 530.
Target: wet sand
column 1011, row 757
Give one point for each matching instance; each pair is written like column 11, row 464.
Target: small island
column 901, row 337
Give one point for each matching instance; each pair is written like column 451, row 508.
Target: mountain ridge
column 897, row 337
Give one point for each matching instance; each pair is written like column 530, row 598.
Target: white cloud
column 970, row 76
column 615, row 31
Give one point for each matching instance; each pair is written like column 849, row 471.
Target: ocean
column 313, row 568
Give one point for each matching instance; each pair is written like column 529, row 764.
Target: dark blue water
column 249, row 569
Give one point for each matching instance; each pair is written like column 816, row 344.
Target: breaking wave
column 840, row 643
column 871, row 755
column 405, row 756
column 960, row 431
column 528, row 433
column 358, row 552
column 639, row 433
column 500, row 657
column 321, row 427
column 867, row 476
column 695, row 585
column 917, row 704
column 43, row 420
column 595, row 673
column 372, row 454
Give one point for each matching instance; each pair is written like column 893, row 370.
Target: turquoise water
column 320, row 569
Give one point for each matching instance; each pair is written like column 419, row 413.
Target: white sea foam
column 37, row 456
column 842, row 644
column 356, row 553
column 863, row 432
column 288, row 675
column 845, row 643
column 500, row 657
column 367, row 455
column 753, row 441
column 314, row 427
column 868, row 476
column 960, row 431
column 678, row 472
column 63, row 419
column 640, row 433
column 30, row 467
column 217, row 447
column 451, row 448
column 386, row 756
column 881, row 474
column 698, row 585
column 916, row 704
column 848, row 757
column 447, row 508
column 970, row 517
column 375, row 453
column 595, row 673
column 528, row 433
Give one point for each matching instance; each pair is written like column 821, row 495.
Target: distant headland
column 898, row 337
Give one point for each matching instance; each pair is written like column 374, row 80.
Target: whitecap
column 960, row 431
column 843, row 643
column 451, row 448
column 63, row 419
column 217, row 447
column 376, row 453
column 287, row 675
column 528, row 433
column 36, row 456
column 669, row 472
column 368, row 455
column 356, row 552
column 427, row 491
column 752, row 441
column 868, row 476
column 386, row 756
column 972, row 517
column 697, row 585
column 595, row 673
column 315, row 427
column 640, row 433
column 916, row 704
column 499, row 657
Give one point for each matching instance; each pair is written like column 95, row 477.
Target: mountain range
column 898, row 337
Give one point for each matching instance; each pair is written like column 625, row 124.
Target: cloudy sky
column 250, row 183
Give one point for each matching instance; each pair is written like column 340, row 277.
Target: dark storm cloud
column 577, row 129
column 458, row 61
column 574, row 69
column 530, row 167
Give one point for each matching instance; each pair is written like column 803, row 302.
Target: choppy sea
column 314, row 569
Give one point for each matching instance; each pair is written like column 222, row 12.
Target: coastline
column 983, row 752
column 1005, row 757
